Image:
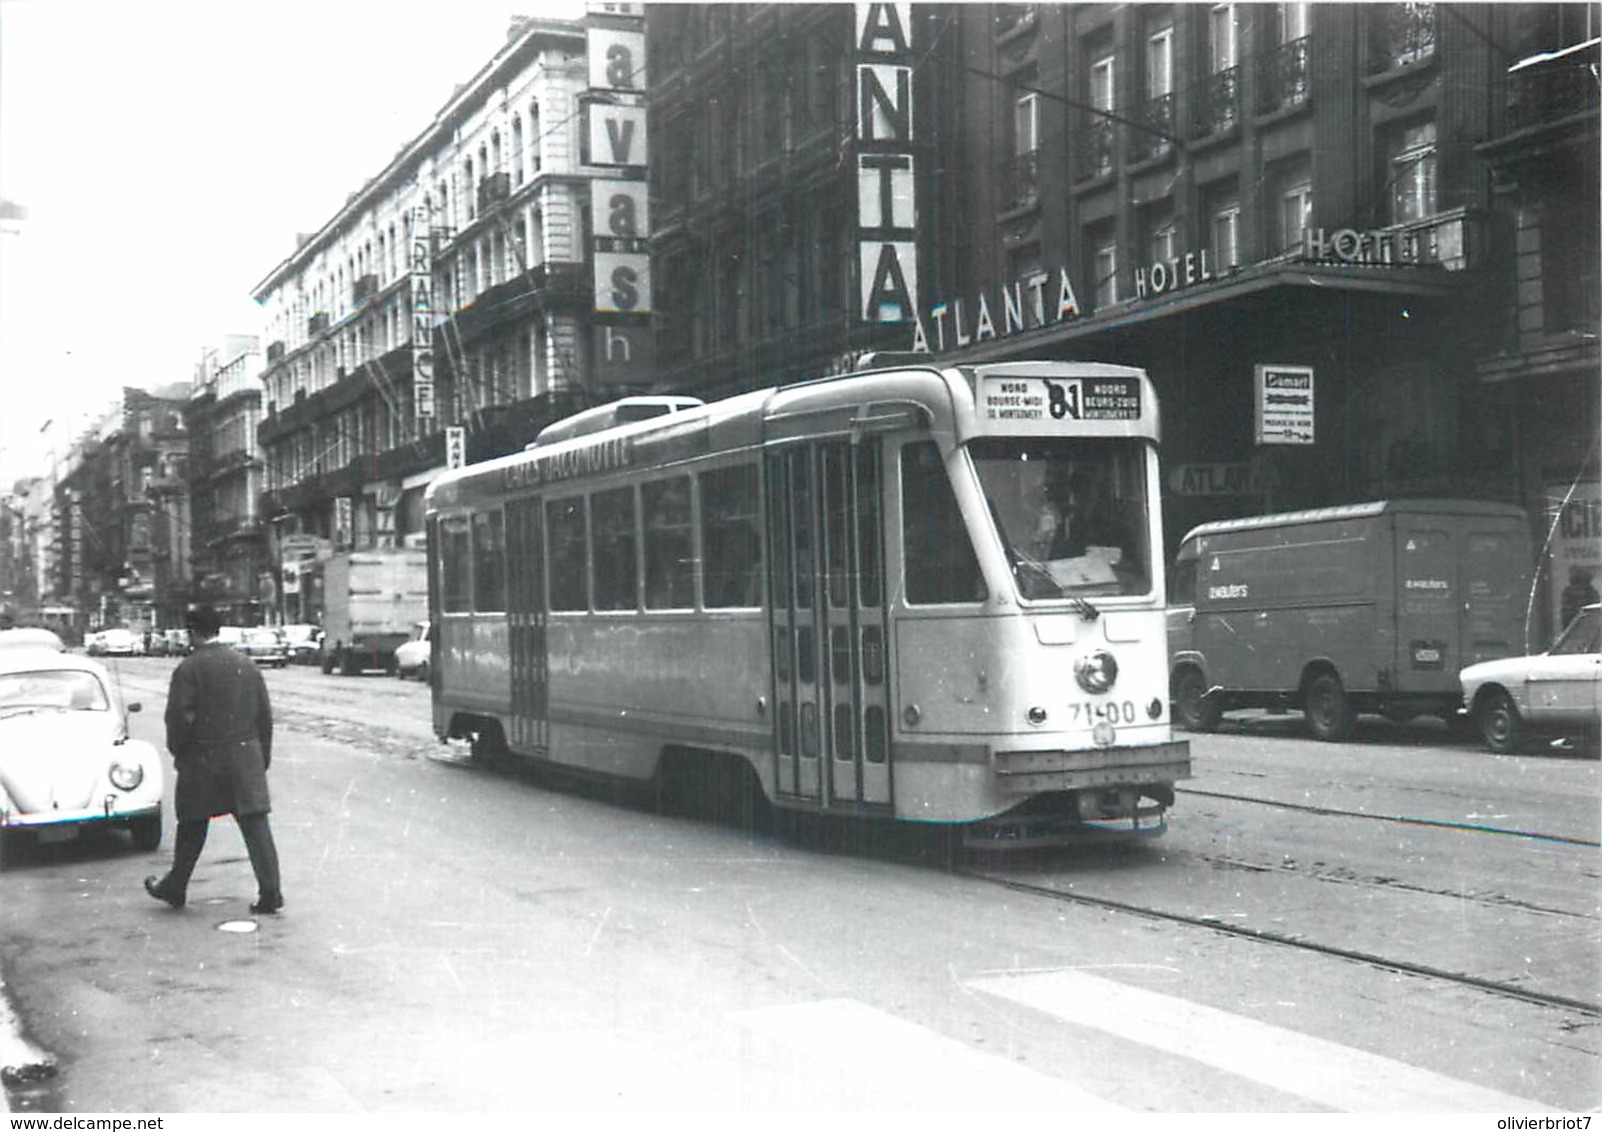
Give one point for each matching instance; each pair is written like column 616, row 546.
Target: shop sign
column 455, row 447
column 619, row 255
column 1284, row 404
column 887, row 215
column 421, row 278
column 1250, row 477
column 1576, row 540
column 1024, row 304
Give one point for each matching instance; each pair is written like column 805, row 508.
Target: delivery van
column 1364, row 608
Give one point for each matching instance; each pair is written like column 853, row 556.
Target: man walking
column 220, row 733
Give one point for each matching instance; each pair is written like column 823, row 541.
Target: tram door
column 828, row 631
column 525, row 613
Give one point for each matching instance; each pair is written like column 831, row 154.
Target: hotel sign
column 1037, row 300
column 887, row 214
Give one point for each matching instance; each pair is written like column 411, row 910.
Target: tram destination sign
column 1041, row 400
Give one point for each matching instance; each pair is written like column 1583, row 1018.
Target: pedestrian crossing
column 942, row 1073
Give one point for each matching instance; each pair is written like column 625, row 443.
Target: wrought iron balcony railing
column 1094, row 150
column 1403, row 35
column 1215, row 103
column 1282, row 76
column 1022, row 183
column 1157, row 115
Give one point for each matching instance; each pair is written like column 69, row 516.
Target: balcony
column 1546, row 90
column 1157, row 115
column 317, row 324
column 493, row 189
column 1022, row 180
column 275, row 352
column 365, row 288
column 1282, row 76
column 1094, row 152
column 1403, row 35
column 1215, row 103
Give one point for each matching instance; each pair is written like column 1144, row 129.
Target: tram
column 864, row 593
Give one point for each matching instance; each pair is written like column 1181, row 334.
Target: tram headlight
column 1096, row 672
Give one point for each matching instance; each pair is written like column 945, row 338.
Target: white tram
column 863, row 589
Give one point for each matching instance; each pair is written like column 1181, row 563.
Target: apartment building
column 464, row 296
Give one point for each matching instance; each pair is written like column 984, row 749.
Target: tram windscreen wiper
column 1085, row 609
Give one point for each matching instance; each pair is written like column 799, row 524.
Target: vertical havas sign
column 620, row 203
column 420, row 272
column 887, row 215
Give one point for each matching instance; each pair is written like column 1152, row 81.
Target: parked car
column 305, row 643
column 32, row 639
column 232, row 636
column 411, row 657
column 265, row 645
column 175, row 642
column 66, row 760
column 1555, row 692
column 119, row 642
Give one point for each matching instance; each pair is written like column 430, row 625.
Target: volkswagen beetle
column 67, row 762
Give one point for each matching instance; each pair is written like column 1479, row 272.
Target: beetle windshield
column 65, row 688
column 1072, row 513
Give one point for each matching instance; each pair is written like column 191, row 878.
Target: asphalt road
column 1395, row 924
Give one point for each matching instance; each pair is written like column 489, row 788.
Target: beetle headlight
column 125, row 776
column 1096, row 672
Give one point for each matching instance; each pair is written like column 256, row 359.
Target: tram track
column 1397, row 819
column 1588, row 1008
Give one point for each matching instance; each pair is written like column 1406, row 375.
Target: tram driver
column 1080, row 535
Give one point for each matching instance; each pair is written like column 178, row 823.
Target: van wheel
column 1329, row 712
column 1194, row 709
column 1500, row 724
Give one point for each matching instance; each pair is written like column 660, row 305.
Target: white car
column 411, row 658
column 1554, row 692
column 66, row 760
column 120, row 642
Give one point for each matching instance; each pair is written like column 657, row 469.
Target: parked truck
column 1365, row 608
column 371, row 599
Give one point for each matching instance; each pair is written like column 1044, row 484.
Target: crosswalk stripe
column 926, row 1068
column 1325, row 1072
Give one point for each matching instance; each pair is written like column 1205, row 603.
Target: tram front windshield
column 1071, row 513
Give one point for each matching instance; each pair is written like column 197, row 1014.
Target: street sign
column 1284, row 404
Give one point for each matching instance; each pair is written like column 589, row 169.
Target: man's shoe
column 267, row 904
column 157, row 888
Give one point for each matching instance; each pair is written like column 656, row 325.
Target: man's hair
column 203, row 622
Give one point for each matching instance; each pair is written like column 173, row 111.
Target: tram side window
column 489, row 562
column 455, row 564
column 567, row 535
column 731, row 540
column 669, row 568
column 941, row 567
column 616, row 565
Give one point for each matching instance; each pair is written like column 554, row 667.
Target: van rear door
column 1494, row 575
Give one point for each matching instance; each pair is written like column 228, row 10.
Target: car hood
column 54, row 759
column 1509, row 668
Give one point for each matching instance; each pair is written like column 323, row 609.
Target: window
column 1412, row 173
column 489, row 562
column 1160, row 61
column 731, row 538
column 567, row 534
column 1295, row 21
column 616, row 564
column 1223, row 211
column 1026, row 124
column 669, row 566
column 1164, row 243
column 1104, row 266
column 1221, row 37
column 454, row 566
column 1295, row 199
column 940, row 564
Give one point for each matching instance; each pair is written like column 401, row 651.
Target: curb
column 20, row 1060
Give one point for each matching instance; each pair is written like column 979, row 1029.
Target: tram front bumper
column 1035, row 772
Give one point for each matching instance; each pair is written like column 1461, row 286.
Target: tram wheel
column 1329, row 711
column 1195, row 710
column 1500, row 724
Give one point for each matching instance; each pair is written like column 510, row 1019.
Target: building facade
column 456, row 303
column 220, row 556
column 1285, row 212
